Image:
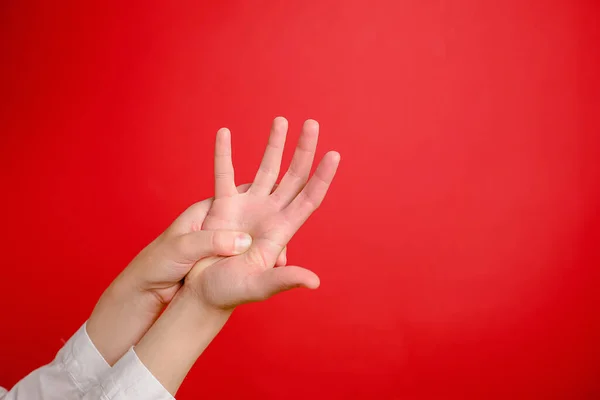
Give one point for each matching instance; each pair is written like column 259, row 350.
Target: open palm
column 270, row 216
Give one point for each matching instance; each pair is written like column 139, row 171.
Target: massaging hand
column 135, row 299
column 270, row 216
column 163, row 264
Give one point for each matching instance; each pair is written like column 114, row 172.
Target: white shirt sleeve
column 78, row 367
column 129, row 379
column 79, row 372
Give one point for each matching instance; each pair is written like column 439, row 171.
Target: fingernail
column 242, row 243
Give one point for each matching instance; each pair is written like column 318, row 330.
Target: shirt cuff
column 82, row 361
column 130, row 379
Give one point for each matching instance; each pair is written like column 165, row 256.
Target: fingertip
column 242, row 243
column 335, row 156
column 313, row 283
column 280, row 121
column 311, row 124
column 224, row 132
column 309, row 279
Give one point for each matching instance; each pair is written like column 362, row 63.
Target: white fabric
column 129, row 379
column 80, row 372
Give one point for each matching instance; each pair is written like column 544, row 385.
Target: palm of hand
column 242, row 212
column 229, row 280
column 169, row 258
column 270, row 218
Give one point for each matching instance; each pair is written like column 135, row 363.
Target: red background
column 458, row 247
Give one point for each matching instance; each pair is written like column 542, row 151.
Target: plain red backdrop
column 459, row 245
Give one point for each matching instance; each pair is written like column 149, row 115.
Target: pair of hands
column 224, row 251
column 258, row 215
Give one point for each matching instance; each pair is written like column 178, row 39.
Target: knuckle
column 309, row 202
column 293, row 173
column 267, row 170
column 214, row 241
column 223, row 175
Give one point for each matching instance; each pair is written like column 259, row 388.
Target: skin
column 135, row 299
column 270, row 217
column 216, row 285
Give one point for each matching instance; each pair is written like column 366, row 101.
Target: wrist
column 191, row 300
column 121, row 317
column 198, row 291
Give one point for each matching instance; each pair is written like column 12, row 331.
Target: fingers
column 277, row 280
column 224, row 175
column 282, row 259
column 297, row 174
column 268, row 172
column 312, row 195
column 193, row 246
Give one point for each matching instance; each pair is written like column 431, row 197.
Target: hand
column 137, row 296
column 186, row 328
column 271, row 217
column 162, row 265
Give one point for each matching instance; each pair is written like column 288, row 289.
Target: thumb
column 280, row 279
column 193, row 246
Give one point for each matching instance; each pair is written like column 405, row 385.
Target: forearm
column 173, row 344
column 121, row 317
column 131, row 304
